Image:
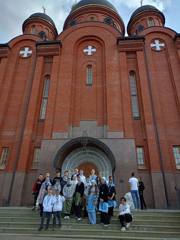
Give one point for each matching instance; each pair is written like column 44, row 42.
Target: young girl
column 124, row 214
column 48, row 203
column 92, row 202
column 57, row 207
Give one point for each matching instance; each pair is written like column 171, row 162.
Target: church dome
column 146, row 8
column 144, row 17
column 42, row 16
column 84, row 3
column 40, row 24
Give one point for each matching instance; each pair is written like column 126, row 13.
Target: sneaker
column 128, row 225
column 123, row 229
column 67, row 217
column 106, row 225
column 79, row 219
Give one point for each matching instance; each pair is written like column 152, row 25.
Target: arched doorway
column 85, row 152
column 87, row 157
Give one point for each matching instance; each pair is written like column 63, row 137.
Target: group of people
column 76, row 195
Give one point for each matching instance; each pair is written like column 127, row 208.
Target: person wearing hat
column 92, row 202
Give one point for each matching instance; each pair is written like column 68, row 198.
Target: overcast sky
column 14, row 12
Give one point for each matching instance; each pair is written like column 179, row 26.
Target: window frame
column 44, row 99
column 150, row 22
column 36, row 157
column 89, row 75
column 140, row 156
column 4, row 157
column 176, row 160
column 135, row 106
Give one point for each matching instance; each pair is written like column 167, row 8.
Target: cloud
column 13, row 13
column 131, row 4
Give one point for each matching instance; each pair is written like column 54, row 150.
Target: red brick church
column 91, row 97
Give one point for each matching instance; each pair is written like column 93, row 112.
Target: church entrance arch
column 85, row 153
column 87, row 157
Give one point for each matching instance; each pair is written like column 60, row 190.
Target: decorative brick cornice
column 48, row 48
column 134, row 43
column 4, row 49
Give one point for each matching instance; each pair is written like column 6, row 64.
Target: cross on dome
column 25, row 52
column 157, row 45
column 89, row 50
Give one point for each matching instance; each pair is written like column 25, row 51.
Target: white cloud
column 13, row 13
column 131, row 4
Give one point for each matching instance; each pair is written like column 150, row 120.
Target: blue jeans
column 135, row 197
column 92, row 217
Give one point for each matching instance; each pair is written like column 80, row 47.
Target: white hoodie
column 48, row 203
column 124, row 209
column 58, row 203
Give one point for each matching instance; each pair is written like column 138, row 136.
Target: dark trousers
column 47, row 216
column 40, row 209
column 35, row 198
column 142, row 201
column 126, row 218
column 104, row 218
column 110, row 211
column 57, row 215
column 77, row 211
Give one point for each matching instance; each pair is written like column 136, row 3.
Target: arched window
column 44, row 98
column 134, row 95
column 89, row 75
column 150, row 22
column 33, row 29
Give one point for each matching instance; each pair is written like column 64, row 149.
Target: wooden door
column 87, row 167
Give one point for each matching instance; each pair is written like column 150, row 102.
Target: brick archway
column 73, row 154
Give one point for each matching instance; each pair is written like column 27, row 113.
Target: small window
column 134, row 95
column 140, row 28
column 151, row 22
column 89, row 75
column 36, row 157
column 4, row 157
column 140, row 156
column 33, row 29
column 176, row 152
column 44, row 98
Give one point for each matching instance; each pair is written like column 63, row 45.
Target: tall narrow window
column 33, row 29
column 140, row 156
column 36, row 157
column 176, row 152
column 4, row 157
column 134, row 95
column 150, row 22
column 89, row 75
column 44, row 98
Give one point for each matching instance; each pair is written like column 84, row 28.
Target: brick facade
column 101, row 111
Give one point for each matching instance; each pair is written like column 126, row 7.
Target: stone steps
column 146, row 225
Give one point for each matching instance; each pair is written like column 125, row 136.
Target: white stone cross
column 157, row 45
column 89, row 50
column 26, row 52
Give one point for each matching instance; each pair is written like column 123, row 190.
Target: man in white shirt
column 133, row 182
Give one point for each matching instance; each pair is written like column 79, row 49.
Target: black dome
column 146, row 8
column 41, row 16
column 84, row 3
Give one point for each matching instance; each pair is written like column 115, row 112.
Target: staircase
column 150, row 224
